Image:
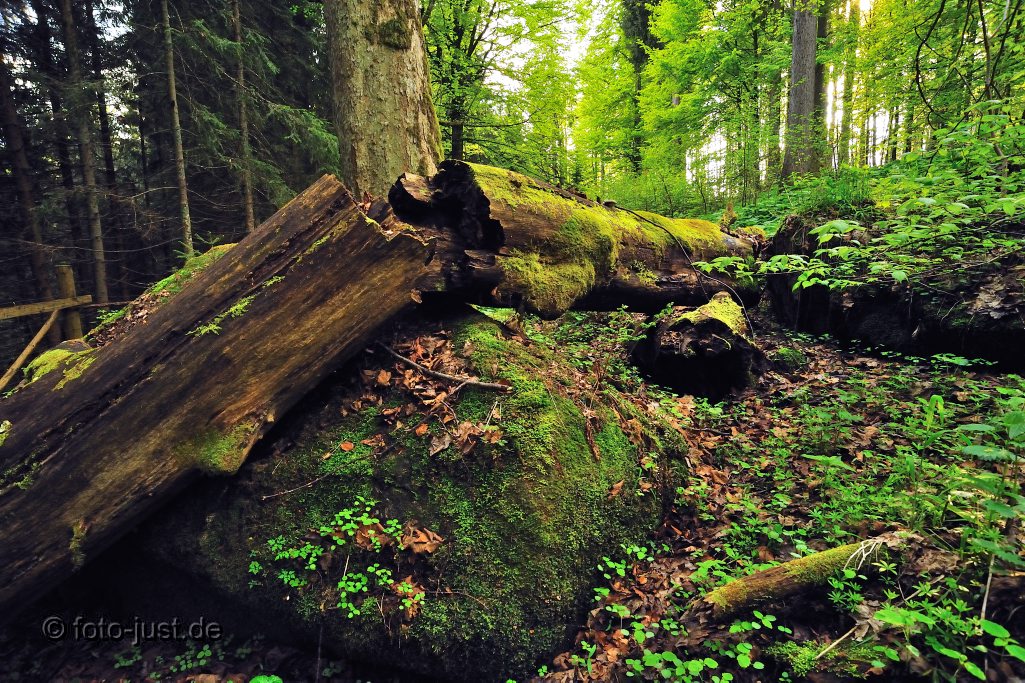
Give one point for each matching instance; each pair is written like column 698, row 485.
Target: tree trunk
column 23, row 181
column 524, row 243
column 849, row 71
column 384, row 116
column 243, row 122
column 707, row 351
column 43, row 56
column 79, row 109
column 803, row 151
column 195, row 385
column 107, row 151
column 176, row 133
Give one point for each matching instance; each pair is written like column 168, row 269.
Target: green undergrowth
column 842, row 448
column 524, row 514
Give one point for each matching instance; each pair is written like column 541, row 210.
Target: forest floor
column 830, row 445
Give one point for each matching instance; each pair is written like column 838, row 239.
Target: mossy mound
column 514, row 498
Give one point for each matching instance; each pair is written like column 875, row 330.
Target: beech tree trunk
column 803, row 150
column 384, row 117
column 94, row 445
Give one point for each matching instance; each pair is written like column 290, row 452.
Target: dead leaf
column 347, row 446
column 420, row 541
column 384, row 378
column 421, row 429
column 440, row 442
column 616, row 489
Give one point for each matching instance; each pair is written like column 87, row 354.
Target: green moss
column 818, row 567
column 722, row 308
column 174, row 282
column 584, row 245
column 217, row 453
column 525, row 520
column 5, row 430
column 549, row 288
column 74, row 368
column 45, row 363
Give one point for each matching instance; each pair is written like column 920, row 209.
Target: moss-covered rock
column 525, row 510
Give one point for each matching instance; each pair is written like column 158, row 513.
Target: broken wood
column 511, row 240
column 707, row 351
column 794, row 577
column 98, row 442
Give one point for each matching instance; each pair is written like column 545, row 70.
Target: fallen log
column 706, row 351
column 514, row 241
column 101, row 436
column 94, row 445
column 794, row 577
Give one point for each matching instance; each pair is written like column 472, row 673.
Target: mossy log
column 517, row 242
column 101, row 436
column 93, row 445
column 794, row 577
column 706, row 351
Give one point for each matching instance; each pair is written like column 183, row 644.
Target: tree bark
column 79, row 109
column 176, row 133
column 384, row 116
column 43, row 56
column 243, row 121
column 195, row 386
column 515, row 241
column 849, row 71
column 707, row 351
column 803, row 150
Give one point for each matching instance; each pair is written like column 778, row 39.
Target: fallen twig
column 441, row 375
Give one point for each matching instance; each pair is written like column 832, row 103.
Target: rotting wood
column 96, row 444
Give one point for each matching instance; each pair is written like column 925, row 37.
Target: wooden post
column 20, row 360
column 72, row 322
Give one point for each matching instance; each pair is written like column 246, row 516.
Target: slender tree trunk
column 107, row 151
column 384, row 116
column 43, row 56
column 79, row 107
column 849, row 72
column 802, row 145
column 23, row 181
column 243, row 121
column 176, row 133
